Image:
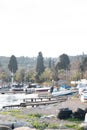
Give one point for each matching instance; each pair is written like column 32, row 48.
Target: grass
column 40, row 126
column 53, row 126
column 75, row 120
column 10, row 112
column 16, row 113
column 74, row 126
column 34, row 115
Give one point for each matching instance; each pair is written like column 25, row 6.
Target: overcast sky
column 53, row 27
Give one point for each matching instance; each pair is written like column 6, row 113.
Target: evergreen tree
column 40, row 64
column 64, row 62
column 83, row 65
column 50, row 64
column 13, row 64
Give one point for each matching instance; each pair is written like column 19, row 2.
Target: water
column 14, row 99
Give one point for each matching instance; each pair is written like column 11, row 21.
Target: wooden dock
column 10, row 92
column 34, row 102
column 42, row 99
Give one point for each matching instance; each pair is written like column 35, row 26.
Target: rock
column 24, row 128
column 85, row 118
column 2, row 127
column 21, row 124
column 16, row 124
column 80, row 114
column 64, row 113
column 6, row 125
column 84, row 125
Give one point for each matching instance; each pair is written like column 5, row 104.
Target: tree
column 30, row 76
column 64, row 62
column 50, row 64
column 46, row 75
column 55, row 73
column 20, row 74
column 5, row 76
column 13, row 64
column 83, row 65
column 40, row 64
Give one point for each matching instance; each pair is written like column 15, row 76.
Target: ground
column 49, row 112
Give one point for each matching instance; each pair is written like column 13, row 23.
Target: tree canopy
column 83, row 65
column 13, row 64
column 64, row 62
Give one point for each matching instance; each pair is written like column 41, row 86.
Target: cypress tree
column 13, row 64
column 40, row 64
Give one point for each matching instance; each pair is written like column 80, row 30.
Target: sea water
column 14, row 99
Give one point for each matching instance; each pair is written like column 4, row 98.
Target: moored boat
column 17, row 88
column 42, row 89
column 62, row 92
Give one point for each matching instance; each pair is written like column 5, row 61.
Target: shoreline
column 71, row 103
column 49, row 112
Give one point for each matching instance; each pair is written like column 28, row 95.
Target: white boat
column 83, row 96
column 17, row 88
column 81, row 88
column 63, row 93
column 33, row 88
column 42, row 89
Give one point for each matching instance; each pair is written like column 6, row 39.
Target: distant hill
column 30, row 62
column 23, row 62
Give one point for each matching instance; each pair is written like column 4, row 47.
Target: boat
column 64, row 87
column 42, row 89
column 83, row 96
column 62, row 92
column 31, row 88
column 34, row 88
column 17, row 88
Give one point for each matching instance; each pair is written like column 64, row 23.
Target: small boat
column 83, row 96
column 31, row 88
column 42, row 89
column 17, row 88
column 62, row 92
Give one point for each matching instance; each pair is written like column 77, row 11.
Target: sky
column 53, row 27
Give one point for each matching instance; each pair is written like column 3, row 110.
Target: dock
column 11, row 92
column 44, row 98
column 34, row 102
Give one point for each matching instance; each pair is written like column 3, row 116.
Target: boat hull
column 62, row 93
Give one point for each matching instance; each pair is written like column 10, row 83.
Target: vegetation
column 64, row 62
column 74, row 126
column 40, row 64
column 41, row 69
column 83, row 66
column 13, row 64
column 35, row 120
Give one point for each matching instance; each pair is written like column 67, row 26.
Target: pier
column 34, row 102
